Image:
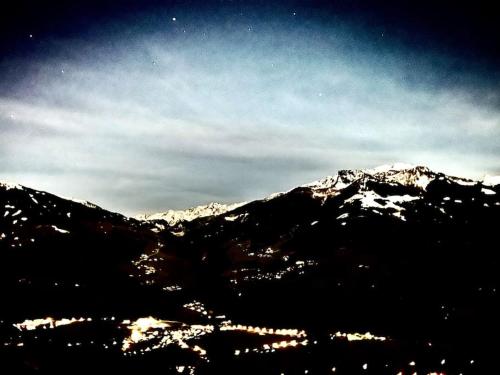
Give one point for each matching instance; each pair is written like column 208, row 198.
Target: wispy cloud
column 155, row 122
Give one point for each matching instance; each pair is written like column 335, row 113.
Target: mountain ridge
column 403, row 173
column 406, row 174
column 371, row 266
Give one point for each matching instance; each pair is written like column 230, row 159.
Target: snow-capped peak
column 404, row 174
column 173, row 217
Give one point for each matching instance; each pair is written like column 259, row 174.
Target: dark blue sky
column 149, row 105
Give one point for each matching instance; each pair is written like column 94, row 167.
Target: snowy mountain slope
column 30, row 210
column 58, row 248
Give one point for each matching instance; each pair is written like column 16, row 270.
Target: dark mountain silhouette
column 384, row 271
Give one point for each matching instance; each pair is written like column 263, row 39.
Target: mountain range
column 392, row 270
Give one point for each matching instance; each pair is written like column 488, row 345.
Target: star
column 31, row 36
column 174, row 19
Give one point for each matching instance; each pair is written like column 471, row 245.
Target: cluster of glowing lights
column 185, row 369
column 161, row 333
column 256, row 275
column 145, row 265
column 269, row 348
column 263, row 330
column 140, row 328
column 196, row 307
column 141, row 265
column 148, row 334
column 357, row 336
column 44, row 323
column 172, row 288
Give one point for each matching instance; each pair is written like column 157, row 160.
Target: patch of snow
column 488, row 191
column 160, row 226
column 370, row 199
column 335, row 182
column 423, row 181
column 327, row 186
column 235, row 217
column 80, row 201
column 402, row 198
column 463, row 181
column 404, row 174
column 399, row 215
column 59, row 229
column 9, row 186
column 273, row 195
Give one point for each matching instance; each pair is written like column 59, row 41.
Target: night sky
column 141, row 106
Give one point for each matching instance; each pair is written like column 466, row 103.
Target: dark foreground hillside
column 385, row 271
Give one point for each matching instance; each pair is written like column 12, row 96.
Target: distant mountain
column 388, row 270
column 173, row 217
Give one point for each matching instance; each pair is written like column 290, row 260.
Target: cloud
column 156, row 122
